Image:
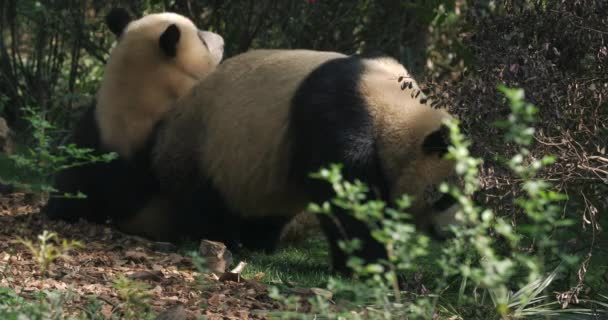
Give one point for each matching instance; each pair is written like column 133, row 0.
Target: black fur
column 119, row 189
column 437, row 142
column 444, row 202
column 169, row 39
column 114, row 190
column 330, row 123
column 200, row 211
column 117, row 20
column 203, row 214
column 261, row 233
column 80, row 178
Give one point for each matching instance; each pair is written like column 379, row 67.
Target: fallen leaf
column 136, row 256
column 147, row 275
column 230, row 276
column 176, row 313
column 239, row 268
column 214, row 300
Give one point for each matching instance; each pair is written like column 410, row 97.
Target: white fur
column 140, row 82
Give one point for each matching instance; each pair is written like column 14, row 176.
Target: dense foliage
column 53, row 51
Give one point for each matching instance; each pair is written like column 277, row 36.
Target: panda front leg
column 343, row 226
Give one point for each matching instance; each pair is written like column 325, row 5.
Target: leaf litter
column 175, row 289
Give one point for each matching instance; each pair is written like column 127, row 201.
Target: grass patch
column 304, row 265
column 308, row 264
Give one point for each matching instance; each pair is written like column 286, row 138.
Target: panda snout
column 215, row 44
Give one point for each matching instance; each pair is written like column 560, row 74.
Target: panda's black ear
column 117, row 20
column 169, row 39
column 437, row 142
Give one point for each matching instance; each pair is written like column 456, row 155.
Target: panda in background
column 157, row 59
column 236, row 152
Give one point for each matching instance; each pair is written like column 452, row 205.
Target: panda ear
column 169, row 39
column 436, row 142
column 117, row 20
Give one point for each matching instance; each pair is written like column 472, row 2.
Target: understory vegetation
column 527, row 79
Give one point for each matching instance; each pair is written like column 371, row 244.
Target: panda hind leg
column 262, row 234
column 200, row 212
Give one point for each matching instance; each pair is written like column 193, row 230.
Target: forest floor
column 104, row 276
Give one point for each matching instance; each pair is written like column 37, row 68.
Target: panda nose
column 214, row 42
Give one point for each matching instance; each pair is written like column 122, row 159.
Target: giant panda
column 157, row 59
column 235, row 153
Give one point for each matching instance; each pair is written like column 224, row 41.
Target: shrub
column 32, row 169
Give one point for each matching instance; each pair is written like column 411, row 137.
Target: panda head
column 443, row 206
column 411, row 142
column 156, row 60
column 428, row 167
column 167, row 36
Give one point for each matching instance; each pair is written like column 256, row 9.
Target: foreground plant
column 48, row 249
column 46, row 305
column 35, row 166
column 500, row 270
column 135, row 298
column 492, row 257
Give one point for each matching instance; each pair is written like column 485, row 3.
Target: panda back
column 240, row 118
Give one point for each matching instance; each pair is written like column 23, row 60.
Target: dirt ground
column 108, row 254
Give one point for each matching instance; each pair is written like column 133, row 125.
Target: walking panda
column 157, row 59
column 236, row 152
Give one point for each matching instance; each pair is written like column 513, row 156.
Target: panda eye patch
column 436, row 142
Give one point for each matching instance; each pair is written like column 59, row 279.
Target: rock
column 216, row 255
column 176, row 313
